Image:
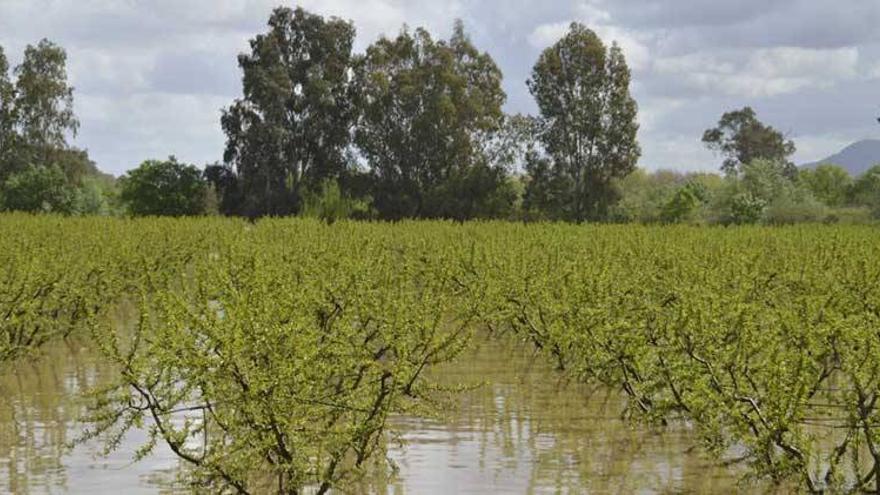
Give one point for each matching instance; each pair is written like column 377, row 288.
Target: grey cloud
column 664, row 14
column 694, row 24
column 196, row 72
column 152, row 75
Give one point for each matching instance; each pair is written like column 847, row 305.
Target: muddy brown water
column 523, row 430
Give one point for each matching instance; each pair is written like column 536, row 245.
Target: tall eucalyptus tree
column 430, row 124
column 586, row 128
column 291, row 129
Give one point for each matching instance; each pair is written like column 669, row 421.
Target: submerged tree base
column 289, row 343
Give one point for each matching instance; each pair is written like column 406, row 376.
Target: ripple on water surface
column 522, row 431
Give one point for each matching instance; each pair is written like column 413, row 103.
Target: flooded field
column 520, row 429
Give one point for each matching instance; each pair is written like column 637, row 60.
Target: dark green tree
column 741, row 138
column 226, row 185
column 292, row 128
column 431, row 128
column 547, row 191
column 167, row 188
column 7, row 115
column 37, row 189
column 587, row 127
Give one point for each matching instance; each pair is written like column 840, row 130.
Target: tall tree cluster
column 39, row 170
column 36, row 111
column 416, row 125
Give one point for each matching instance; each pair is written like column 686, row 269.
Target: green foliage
column 741, row 138
column 331, row 204
column 829, row 183
column 291, row 129
column 763, row 192
column 746, row 208
column 796, row 205
column 269, row 356
column 684, row 202
column 38, row 170
column 43, row 99
column 851, row 215
column 37, row 189
column 546, row 191
column 866, row 191
column 52, row 280
column 587, row 127
column 165, row 187
column 432, row 129
column 38, row 110
column 7, row 115
column 225, row 185
column 758, row 339
column 664, row 196
column 764, row 179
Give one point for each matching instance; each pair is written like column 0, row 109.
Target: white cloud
column 590, row 13
column 873, row 71
column 812, row 64
column 547, row 34
column 764, row 72
column 653, row 112
column 94, row 70
column 155, row 125
column 677, row 152
column 634, row 44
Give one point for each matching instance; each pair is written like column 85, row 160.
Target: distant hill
column 855, row 158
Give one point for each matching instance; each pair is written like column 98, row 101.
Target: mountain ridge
column 856, row 158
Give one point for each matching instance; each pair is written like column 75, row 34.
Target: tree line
column 414, row 127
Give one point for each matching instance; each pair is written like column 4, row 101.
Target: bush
column 684, row 203
column 852, row 215
column 331, row 205
column 791, row 209
column 38, row 189
column 746, row 208
column 166, row 188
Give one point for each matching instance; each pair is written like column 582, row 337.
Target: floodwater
column 523, row 430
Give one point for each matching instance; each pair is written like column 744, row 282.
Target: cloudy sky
column 151, row 76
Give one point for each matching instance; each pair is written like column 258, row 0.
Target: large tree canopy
column 44, row 100
column 7, row 117
column 39, row 171
column 741, row 138
column 167, row 188
column 36, row 112
column 431, row 116
column 291, row 129
column 587, row 127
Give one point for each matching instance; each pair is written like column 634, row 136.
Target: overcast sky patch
column 152, row 76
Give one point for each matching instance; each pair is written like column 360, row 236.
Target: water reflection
column 39, row 405
column 524, row 431
column 527, row 432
